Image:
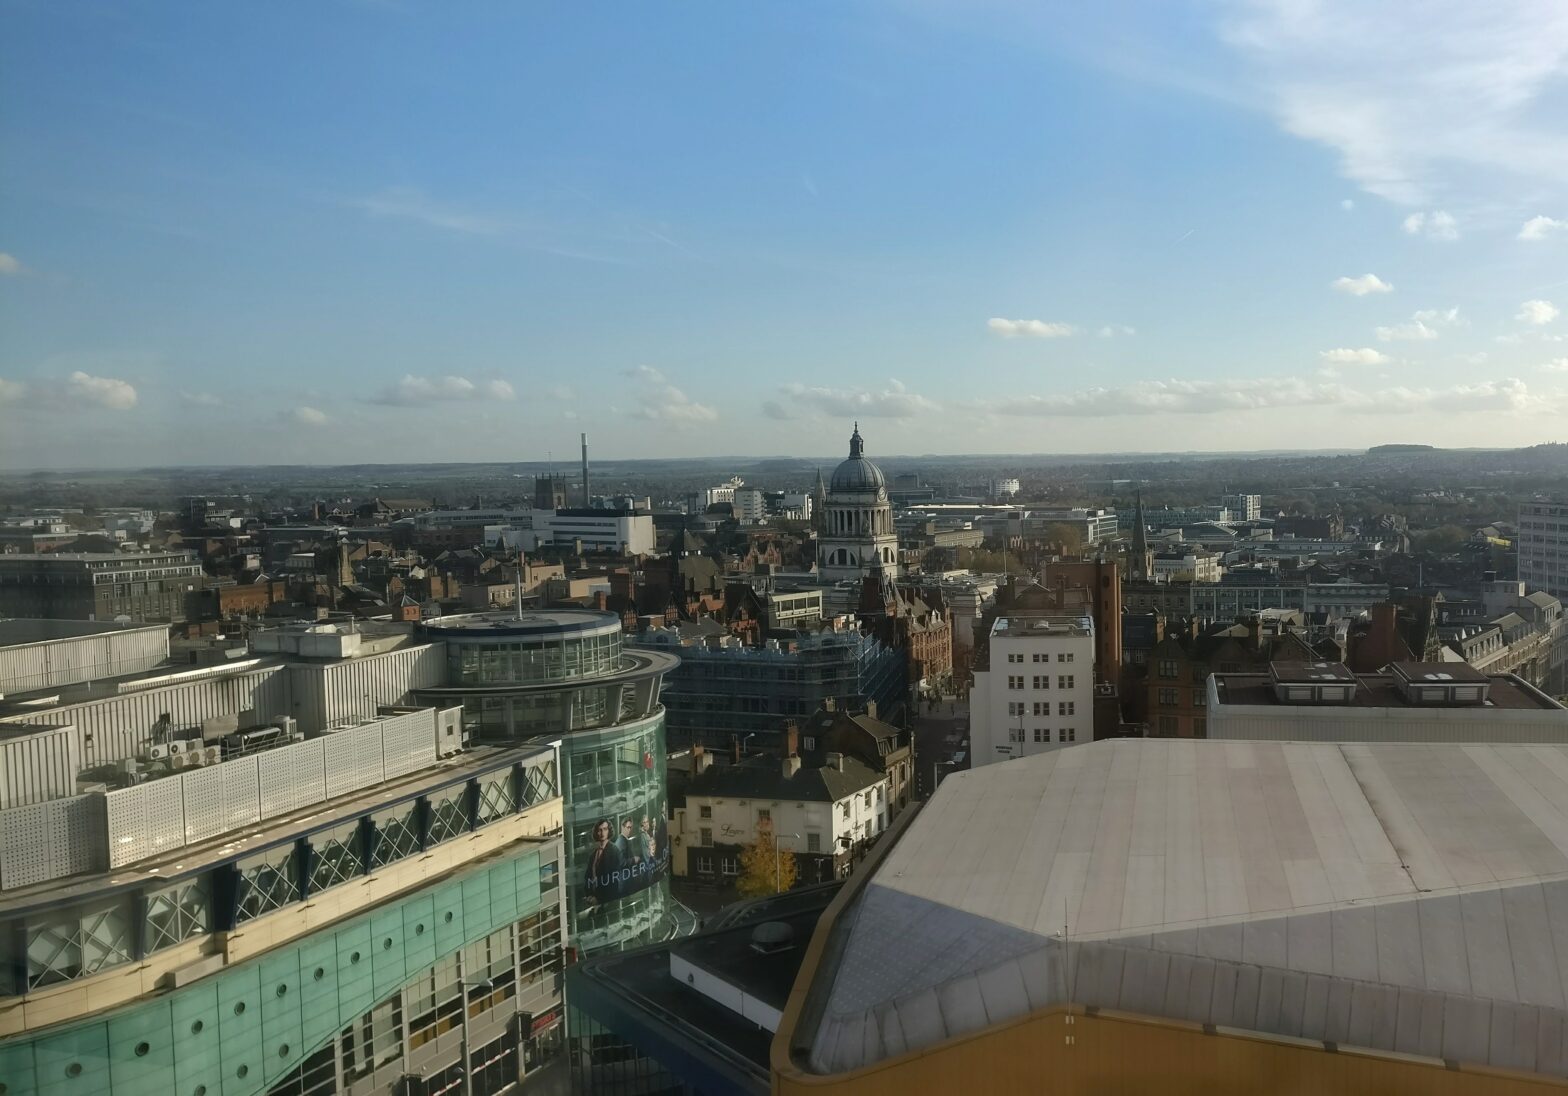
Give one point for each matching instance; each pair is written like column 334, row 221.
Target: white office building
column 1243, row 507
column 1543, row 546
column 750, row 506
column 1038, row 693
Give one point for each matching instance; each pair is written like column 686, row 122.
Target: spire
column 856, row 445
column 1140, row 540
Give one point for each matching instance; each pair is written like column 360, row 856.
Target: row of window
column 1041, row 681
column 1061, row 656
column 1042, row 707
column 1043, row 734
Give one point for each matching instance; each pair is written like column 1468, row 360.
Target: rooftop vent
column 1448, row 685
column 772, row 937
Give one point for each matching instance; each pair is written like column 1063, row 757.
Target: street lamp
column 463, row 986
column 777, row 855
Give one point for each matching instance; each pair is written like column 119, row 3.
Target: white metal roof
column 1236, row 883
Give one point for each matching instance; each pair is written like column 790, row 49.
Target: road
column 931, row 731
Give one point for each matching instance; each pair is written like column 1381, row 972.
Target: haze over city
column 292, row 233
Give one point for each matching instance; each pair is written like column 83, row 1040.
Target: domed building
column 856, row 534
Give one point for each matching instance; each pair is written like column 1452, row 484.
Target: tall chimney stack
column 587, row 497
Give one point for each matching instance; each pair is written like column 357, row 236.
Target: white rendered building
column 1038, row 694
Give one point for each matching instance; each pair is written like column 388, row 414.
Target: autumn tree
column 765, row 868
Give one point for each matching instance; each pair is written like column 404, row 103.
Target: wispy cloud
column 77, row 392
column 10, row 265
column 1361, row 286
column 1437, row 225
column 307, row 416
column 1539, row 228
column 1187, row 397
column 1366, row 81
column 412, row 391
column 412, row 204
column 661, row 401
column 201, row 399
column 1111, row 330
column 1036, row 329
column 893, row 402
column 1347, row 356
column 1538, row 312
column 1556, row 365
column 1424, row 325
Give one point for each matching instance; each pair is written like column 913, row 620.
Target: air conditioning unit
column 213, row 754
column 176, row 746
column 158, row 752
column 181, row 761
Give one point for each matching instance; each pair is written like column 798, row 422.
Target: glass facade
column 563, row 675
column 617, row 855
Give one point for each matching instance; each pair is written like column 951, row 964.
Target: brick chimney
column 830, row 704
column 871, row 708
column 735, row 748
column 699, row 760
column 601, row 600
column 792, row 739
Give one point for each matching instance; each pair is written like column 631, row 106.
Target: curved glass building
column 564, row 675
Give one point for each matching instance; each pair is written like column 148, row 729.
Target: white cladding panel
column 409, row 742
column 51, row 840
column 119, row 727
column 38, row 766
column 74, row 659
column 353, row 759
column 331, row 694
column 291, row 778
column 241, row 792
column 144, row 821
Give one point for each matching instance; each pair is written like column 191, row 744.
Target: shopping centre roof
column 1408, row 897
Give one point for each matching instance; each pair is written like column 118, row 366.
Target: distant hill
column 1378, row 450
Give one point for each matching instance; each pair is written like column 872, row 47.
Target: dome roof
column 856, row 473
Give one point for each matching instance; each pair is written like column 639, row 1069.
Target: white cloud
column 661, row 401
column 1111, row 330
column 78, row 392
column 412, row 204
column 1360, row 287
column 1437, row 225
column 1539, row 228
column 1269, row 393
column 1423, row 324
column 893, row 402
column 773, row 409
column 412, row 391
column 1537, row 312
column 1346, row 356
column 109, row 392
column 1556, row 365
column 1038, row 329
column 309, row 416
column 1368, row 82
column 1347, row 204
column 201, row 399
column 9, row 265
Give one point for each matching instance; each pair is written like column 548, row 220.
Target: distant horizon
column 572, row 468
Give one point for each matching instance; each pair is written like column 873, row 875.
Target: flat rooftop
column 1041, row 624
column 17, row 631
column 538, row 623
column 1383, row 691
column 1330, row 891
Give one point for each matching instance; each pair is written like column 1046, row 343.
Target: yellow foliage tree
column 765, row 868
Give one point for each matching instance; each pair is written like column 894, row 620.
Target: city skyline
column 418, row 235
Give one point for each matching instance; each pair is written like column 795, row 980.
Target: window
column 1041, row 681
column 1167, row 668
column 1015, row 681
column 1038, row 657
column 810, row 742
column 729, row 865
column 1067, row 734
column 1015, row 707
column 1167, row 696
column 1042, row 734
column 1042, row 707
column 1064, row 681
column 705, row 836
column 1015, row 658
column 1064, row 656
column 1066, row 707
column 1200, row 727
column 845, row 808
column 813, row 842
column 764, row 816
column 868, row 799
column 704, row 865
column 1166, row 727
column 705, row 811
column 1015, row 734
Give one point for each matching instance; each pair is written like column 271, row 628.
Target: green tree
column 764, row 867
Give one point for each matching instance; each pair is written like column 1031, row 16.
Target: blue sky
column 403, row 231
